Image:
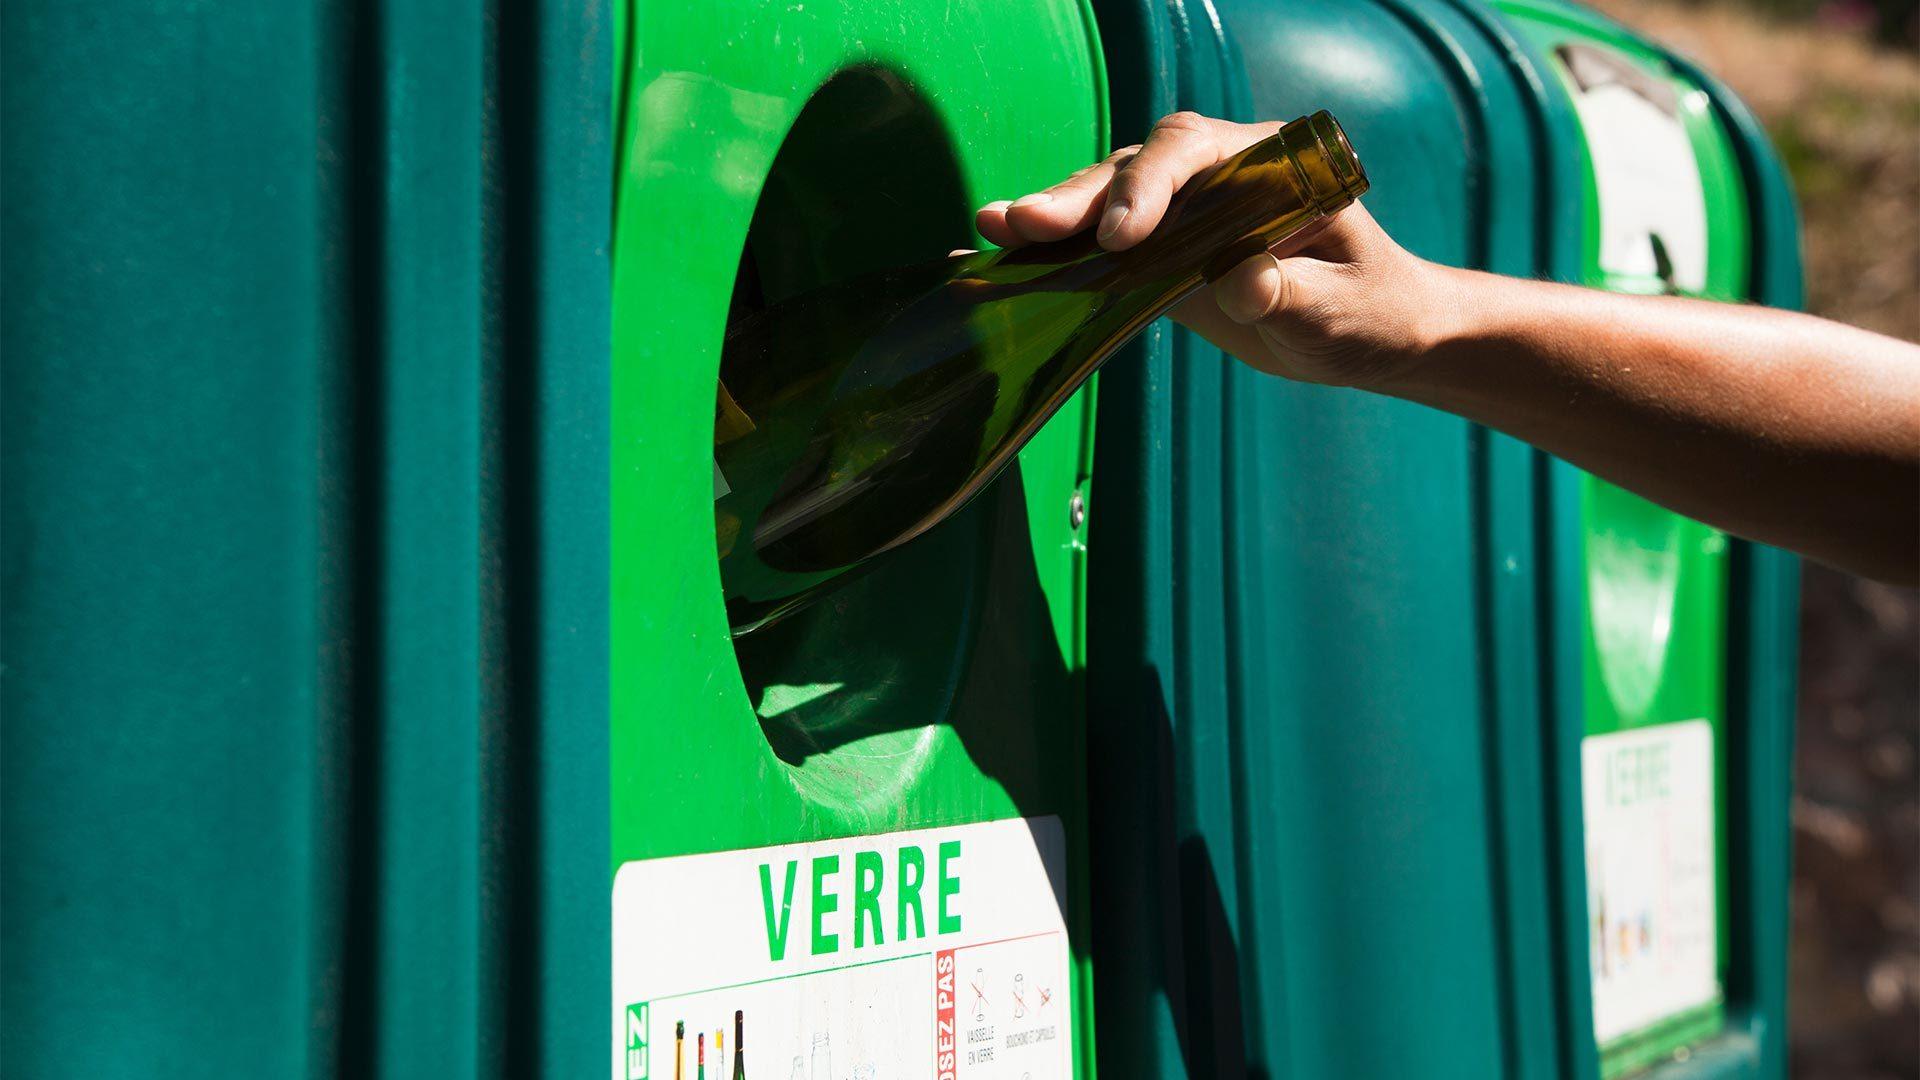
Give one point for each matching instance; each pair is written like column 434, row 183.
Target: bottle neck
column 1275, row 188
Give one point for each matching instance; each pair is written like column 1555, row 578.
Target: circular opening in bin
column 866, row 179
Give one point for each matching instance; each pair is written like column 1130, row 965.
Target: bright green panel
column 1728, row 248
column 713, row 92
column 943, row 687
column 1656, row 603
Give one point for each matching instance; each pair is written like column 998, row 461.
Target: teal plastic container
column 1337, row 629
column 1706, row 634
column 1344, row 634
column 305, row 450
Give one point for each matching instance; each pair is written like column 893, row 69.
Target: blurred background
column 1838, row 86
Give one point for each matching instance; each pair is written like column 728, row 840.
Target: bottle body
column 855, row 418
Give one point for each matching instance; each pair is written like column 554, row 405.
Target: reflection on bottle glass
column 854, row 418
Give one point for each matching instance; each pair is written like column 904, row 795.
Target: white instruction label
column 1652, row 204
column 1648, row 796
column 936, row 953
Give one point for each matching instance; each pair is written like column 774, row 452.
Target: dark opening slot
column 866, row 180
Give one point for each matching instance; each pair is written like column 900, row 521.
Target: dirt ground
column 1846, row 117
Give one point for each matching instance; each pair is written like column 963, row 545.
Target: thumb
column 1253, row 290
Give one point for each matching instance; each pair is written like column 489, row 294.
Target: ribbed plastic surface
column 1333, row 653
column 305, row 443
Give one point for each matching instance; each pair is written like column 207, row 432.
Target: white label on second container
column 936, row 953
column 1648, row 796
column 1643, row 167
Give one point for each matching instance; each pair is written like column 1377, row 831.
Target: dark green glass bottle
column 739, row 1045
column 854, row 418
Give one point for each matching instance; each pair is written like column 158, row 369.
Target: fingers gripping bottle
column 854, row 418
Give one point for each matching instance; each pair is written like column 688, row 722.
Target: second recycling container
column 1355, row 640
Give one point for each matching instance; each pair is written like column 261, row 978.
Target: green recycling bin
column 851, row 843
column 1317, row 610
column 1352, row 636
column 1668, row 206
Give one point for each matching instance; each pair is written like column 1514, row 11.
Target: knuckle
column 1286, row 292
column 1183, row 122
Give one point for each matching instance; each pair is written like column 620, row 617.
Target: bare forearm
column 1777, row 427
column 1774, row 426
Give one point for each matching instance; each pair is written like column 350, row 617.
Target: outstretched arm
column 1775, row 426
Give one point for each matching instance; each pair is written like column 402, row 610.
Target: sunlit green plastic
column 944, row 687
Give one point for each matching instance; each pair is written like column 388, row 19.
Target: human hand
column 1343, row 306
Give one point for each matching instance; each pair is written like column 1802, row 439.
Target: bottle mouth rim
column 1346, row 161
